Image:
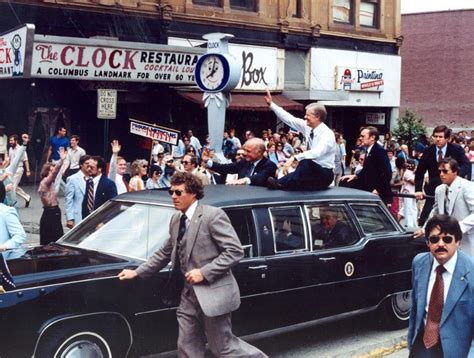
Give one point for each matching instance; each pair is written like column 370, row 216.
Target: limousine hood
column 57, row 263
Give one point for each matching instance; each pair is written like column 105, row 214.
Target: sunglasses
column 169, row 162
column 177, row 192
column 446, row 238
column 185, row 162
column 444, row 171
column 239, row 155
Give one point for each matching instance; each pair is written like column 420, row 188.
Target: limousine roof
column 230, row 195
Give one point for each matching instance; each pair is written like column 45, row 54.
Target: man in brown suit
column 203, row 246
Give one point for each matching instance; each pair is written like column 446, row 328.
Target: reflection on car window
column 242, row 222
column 330, row 227
column 373, row 219
column 127, row 229
column 288, row 229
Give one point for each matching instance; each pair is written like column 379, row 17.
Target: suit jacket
column 339, row 236
column 461, row 207
column 212, row 245
column 264, row 169
column 376, row 173
column 74, row 195
column 12, row 234
column 457, row 318
column 106, row 190
column 429, row 161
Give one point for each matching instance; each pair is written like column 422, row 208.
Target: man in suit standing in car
column 429, row 161
column 254, row 170
column 202, row 247
column 442, row 310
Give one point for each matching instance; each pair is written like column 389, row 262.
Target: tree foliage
column 409, row 128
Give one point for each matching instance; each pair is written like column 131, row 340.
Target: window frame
column 254, row 8
column 254, row 239
column 376, row 19
column 214, row 3
column 305, row 229
column 395, row 225
column 351, row 14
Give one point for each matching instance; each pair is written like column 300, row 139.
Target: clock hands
column 215, row 67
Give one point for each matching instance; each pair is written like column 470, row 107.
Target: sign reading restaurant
column 359, row 79
column 54, row 60
column 13, row 50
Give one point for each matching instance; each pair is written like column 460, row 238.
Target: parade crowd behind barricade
column 303, row 155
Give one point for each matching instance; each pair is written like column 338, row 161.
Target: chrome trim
column 86, row 315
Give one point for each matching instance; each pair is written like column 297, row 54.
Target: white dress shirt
column 321, row 149
column 190, row 212
column 447, row 277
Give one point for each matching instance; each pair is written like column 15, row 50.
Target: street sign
column 106, row 103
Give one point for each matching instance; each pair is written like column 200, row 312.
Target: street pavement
column 359, row 344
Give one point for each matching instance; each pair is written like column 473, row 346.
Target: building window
column 342, row 11
column 207, row 2
column 247, row 5
column 368, row 14
column 296, row 8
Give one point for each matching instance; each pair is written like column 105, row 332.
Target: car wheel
column 396, row 310
column 77, row 344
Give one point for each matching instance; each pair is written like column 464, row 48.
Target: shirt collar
column 443, row 149
column 190, row 212
column 96, row 179
column 370, row 148
column 449, row 266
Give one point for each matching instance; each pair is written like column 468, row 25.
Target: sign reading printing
column 12, row 53
column 147, row 130
column 106, row 103
column 359, row 79
column 376, row 118
column 87, row 62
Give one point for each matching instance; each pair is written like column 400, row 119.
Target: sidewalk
column 30, row 217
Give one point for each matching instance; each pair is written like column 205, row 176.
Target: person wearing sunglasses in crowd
column 455, row 197
column 154, row 181
column 169, row 168
column 209, row 290
column 138, row 170
column 442, row 314
column 190, row 165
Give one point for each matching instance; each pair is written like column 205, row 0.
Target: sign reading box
column 106, row 103
column 375, row 118
column 147, row 130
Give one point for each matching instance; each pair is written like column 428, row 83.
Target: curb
column 384, row 348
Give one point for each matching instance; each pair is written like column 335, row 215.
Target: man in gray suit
column 202, row 247
column 74, row 193
column 455, row 197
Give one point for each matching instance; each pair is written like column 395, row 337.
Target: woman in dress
column 138, row 170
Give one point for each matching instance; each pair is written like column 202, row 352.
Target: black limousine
column 308, row 255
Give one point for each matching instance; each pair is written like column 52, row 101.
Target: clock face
column 212, row 72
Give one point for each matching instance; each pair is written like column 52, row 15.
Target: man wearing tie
column 315, row 170
column 442, row 311
column 99, row 188
column 455, row 197
column 203, row 247
column 429, row 162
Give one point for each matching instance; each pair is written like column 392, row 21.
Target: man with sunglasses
column 455, row 197
column 442, row 311
column 190, row 165
column 203, row 247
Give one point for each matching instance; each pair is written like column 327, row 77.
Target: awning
column 248, row 101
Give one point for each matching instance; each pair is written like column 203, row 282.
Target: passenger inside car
column 286, row 239
column 332, row 230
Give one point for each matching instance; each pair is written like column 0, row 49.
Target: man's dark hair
column 373, row 132
column 442, row 128
column 155, row 168
column 100, row 162
column 59, row 128
column 390, row 150
column 192, row 159
column 446, row 225
column 453, row 164
column 191, row 182
column 76, row 137
column 15, row 137
column 3, row 192
column 84, row 159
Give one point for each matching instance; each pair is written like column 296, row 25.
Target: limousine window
column 242, row 221
column 373, row 219
column 288, row 229
column 127, row 229
column 330, row 227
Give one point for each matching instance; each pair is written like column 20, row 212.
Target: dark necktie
column 435, row 308
column 440, row 155
column 181, row 232
column 311, row 136
column 446, row 200
column 249, row 171
column 90, row 195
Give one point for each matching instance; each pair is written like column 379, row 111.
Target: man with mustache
column 455, row 197
column 442, row 311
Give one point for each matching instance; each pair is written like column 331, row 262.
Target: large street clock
column 217, row 72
